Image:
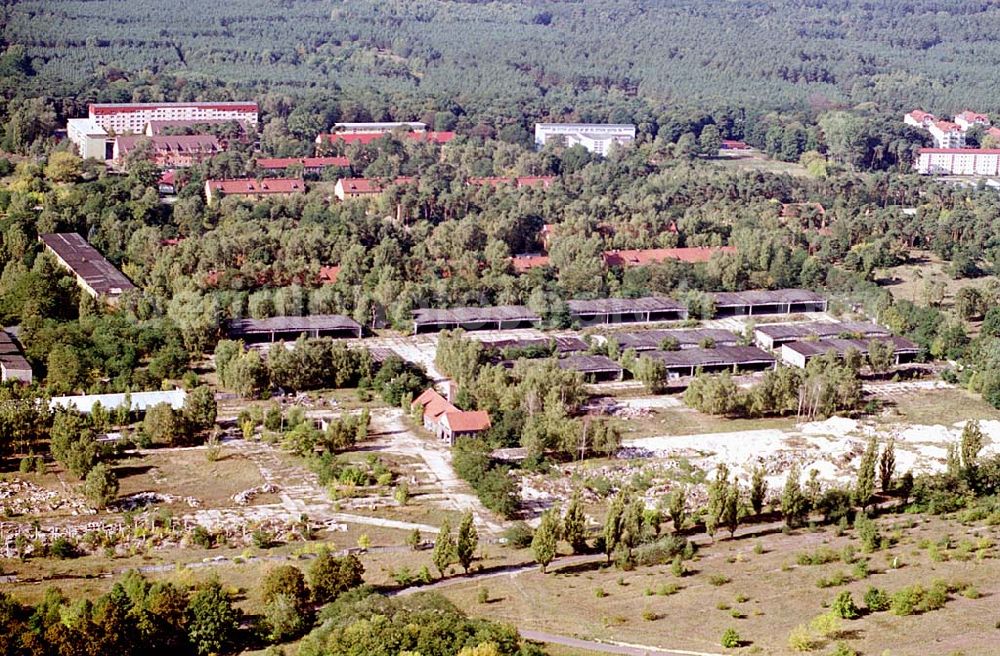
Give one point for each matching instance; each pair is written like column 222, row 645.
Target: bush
column 262, row 539
column 664, row 550
column 820, row 556
column 519, row 535
column 844, row 607
column 877, row 600
column 600, row 593
column 826, row 625
column 907, row 600
column 667, row 589
column 201, row 537
column 482, row 595
column 718, row 580
column 843, row 649
column 802, row 639
column 731, row 639
column 329, row 576
column 649, row 616
column 63, row 548
column 100, row 486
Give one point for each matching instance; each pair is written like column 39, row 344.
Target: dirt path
column 395, row 436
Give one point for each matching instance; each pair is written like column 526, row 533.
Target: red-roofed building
column 167, row 183
column 967, row 119
column 631, row 258
column 524, row 263
column 363, row 187
column 448, row 422
column 947, row 134
column 314, row 165
column 993, row 132
column 919, row 119
column 328, row 275
column 364, row 138
column 168, row 151
column 731, row 144
column 254, row 189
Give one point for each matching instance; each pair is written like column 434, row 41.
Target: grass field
column 767, row 595
column 942, row 406
column 907, row 281
column 759, row 162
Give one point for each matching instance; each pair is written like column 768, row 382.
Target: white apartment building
column 378, row 128
column 967, row 119
column 131, row 118
column 958, row 161
column 595, row 137
column 919, row 119
column 90, row 139
column 947, row 135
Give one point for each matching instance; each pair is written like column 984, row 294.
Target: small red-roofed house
column 732, row 144
column 524, row 263
column 919, row 119
column 328, row 275
column 448, row 422
column 312, row 165
column 363, row 187
column 967, row 119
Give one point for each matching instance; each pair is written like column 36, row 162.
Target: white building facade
column 947, row 135
column 90, row 139
column 378, row 128
column 598, row 138
column 132, row 118
column 958, row 161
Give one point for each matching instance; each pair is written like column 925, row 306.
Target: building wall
column 135, row 121
column 15, row 374
column 970, row 163
column 794, row 358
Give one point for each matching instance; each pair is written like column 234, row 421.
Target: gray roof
column 720, row 356
column 7, row 345
column 84, row 260
column 14, row 362
column 306, row 324
column 560, row 344
column 767, row 297
column 645, row 340
column 625, row 305
column 588, row 364
column 784, row 331
column 465, row 315
column 841, row 346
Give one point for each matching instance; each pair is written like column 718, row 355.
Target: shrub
column 820, row 556
column 826, row 625
column 843, row 649
column 262, row 539
column 731, row 639
column 482, row 595
column 649, row 615
column 667, row 589
column 519, row 535
column 600, row 593
column 660, row 552
column 201, row 537
column 677, row 567
column 907, row 600
column 861, row 570
column 62, row 548
column 844, row 607
column 802, row 639
column 877, row 600
column 101, row 485
column 718, row 580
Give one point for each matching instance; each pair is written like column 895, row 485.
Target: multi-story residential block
column 170, row 152
column 597, row 138
column 947, row 134
column 253, row 189
column 919, row 119
column 132, row 118
column 958, row 161
column 967, row 119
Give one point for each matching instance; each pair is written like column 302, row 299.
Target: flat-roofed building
column 597, row 138
column 655, row 340
column 164, row 128
column 688, row 362
column 13, row 365
column 379, row 127
column 799, row 354
column 310, row 165
column 137, row 401
column 89, row 137
column 94, row 274
column 254, row 189
column 291, row 328
column 958, row 161
column 595, row 368
column 644, row 256
column 126, row 118
column 772, row 336
column 365, row 138
column 543, row 346
column 502, row 317
column 626, row 310
column 777, row 301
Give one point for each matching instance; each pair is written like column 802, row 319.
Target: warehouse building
column 137, row 401
column 94, row 274
column 91, row 140
column 291, row 328
column 501, row 317
column 798, row 354
column 595, row 368
column 626, row 310
column 595, row 137
column 778, row 301
column 773, row 336
column 688, row 362
column 654, row 340
column 13, row 365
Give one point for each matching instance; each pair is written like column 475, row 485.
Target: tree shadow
column 125, row 471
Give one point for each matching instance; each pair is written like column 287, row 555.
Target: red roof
column 434, row 404
column 167, row 178
column 654, row 255
column 972, row 117
column 523, row 263
column 269, row 186
column 536, row 180
column 732, row 144
column 180, row 143
column 328, row 274
column 469, row 421
column 353, row 186
column 306, row 162
column 946, row 126
column 959, row 151
column 368, row 137
column 920, row 115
